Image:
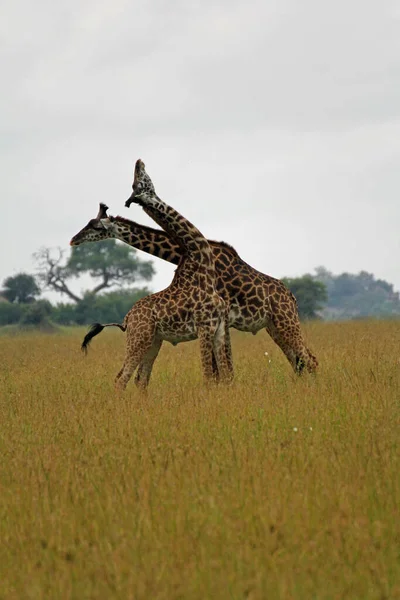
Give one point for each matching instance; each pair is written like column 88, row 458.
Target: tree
column 52, row 273
column 310, row 294
column 109, row 261
column 20, row 289
column 357, row 295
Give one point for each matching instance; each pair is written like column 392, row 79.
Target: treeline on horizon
column 321, row 295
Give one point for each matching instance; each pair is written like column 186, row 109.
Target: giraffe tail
column 95, row 329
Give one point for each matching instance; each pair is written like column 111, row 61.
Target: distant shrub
column 109, row 307
column 64, row 314
column 10, row 313
column 36, row 314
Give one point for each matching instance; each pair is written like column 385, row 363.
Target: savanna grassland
column 275, row 487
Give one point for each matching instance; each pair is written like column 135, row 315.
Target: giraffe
column 189, row 308
column 256, row 300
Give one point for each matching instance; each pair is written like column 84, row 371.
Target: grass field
column 275, row 487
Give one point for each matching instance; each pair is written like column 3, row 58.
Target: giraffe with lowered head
column 187, row 309
column 256, row 300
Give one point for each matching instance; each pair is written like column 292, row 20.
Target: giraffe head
column 142, row 186
column 100, row 228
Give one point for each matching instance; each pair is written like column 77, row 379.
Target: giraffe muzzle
column 130, row 200
column 133, row 198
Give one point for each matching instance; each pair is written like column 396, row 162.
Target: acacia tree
column 109, row 262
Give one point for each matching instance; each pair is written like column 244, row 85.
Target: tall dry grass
column 276, row 487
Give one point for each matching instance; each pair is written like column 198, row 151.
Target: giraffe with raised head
column 189, row 308
column 256, row 300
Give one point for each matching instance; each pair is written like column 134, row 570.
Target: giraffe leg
column 124, row 375
column 146, row 366
column 228, row 348
column 139, row 341
column 223, row 352
column 208, row 357
column 288, row 336
column 215, row 368
column 228, row 354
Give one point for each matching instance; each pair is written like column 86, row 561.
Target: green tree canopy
column 110, row 262
column 357, row 295
column 20, row 289
column 310, row 294
column 113, row 263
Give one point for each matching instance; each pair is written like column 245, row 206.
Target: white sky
column 273, row 125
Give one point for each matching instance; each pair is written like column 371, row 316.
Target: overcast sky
column 273, row 125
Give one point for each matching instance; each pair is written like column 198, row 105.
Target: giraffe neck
column 187, row 236
column 154, row 242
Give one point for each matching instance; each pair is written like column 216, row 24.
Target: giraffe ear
column 106, row 223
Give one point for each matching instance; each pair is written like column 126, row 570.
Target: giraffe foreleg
column 209, row 360
column 215, row 368
column 289, row 338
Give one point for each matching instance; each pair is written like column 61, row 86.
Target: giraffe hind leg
column 146, row 366
column 139, row 343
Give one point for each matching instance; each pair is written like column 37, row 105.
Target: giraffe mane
column 129, row 222
column 225, row 245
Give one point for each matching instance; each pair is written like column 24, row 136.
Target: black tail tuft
column 95, row 328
